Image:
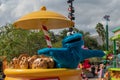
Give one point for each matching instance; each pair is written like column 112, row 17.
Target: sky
column 87, row 12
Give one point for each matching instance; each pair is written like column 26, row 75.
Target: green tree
column 63, row 33
column 14, row 41
column 89, row 41
column 101, row 31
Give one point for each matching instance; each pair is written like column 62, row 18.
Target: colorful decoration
column 71, row 52
column 106, row 52
column 45, row 20
column 110, row 56
column 86, row 64
column 24, row 61
column 115, row 75
column 47, row 36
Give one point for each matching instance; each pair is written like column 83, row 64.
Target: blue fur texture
column 71, row 52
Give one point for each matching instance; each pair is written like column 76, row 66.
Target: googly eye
column 69, row 33
column 73, row 32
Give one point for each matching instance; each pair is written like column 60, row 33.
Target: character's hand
column 45, row 51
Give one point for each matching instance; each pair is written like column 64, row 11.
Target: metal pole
column 106, row 17
column 107, row 36
column 114, row 47
column 71, row 5
column 71, row 15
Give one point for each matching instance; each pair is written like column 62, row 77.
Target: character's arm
column 44, row 51
column 90, row 53
column 52, row 51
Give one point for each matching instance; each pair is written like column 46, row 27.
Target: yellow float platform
column 115, row 73
column 43, row 74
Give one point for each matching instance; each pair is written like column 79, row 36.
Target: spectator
column 101, row 72
column 93, row 70
column 83, row 75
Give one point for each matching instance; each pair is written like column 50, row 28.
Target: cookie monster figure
column 71, row 52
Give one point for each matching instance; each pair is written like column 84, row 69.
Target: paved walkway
column 92, row 79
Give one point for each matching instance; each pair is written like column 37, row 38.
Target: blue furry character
column 71, row 52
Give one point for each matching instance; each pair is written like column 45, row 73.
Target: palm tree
column 101, row 31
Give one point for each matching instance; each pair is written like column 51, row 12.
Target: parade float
column 43, row 20
column 50, row 63
column 115, row 71
column 36, row 67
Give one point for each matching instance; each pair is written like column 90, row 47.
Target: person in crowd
column 101, row 72
column 93, row 70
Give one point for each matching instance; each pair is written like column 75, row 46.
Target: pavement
column 92, row 79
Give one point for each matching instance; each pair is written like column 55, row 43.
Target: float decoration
column 114, row 73
column 43, row 20
column 24, row 61
column 71, row 52
column 86, row 64
column 110, row 56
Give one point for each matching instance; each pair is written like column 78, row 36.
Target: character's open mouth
column 74, row 40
